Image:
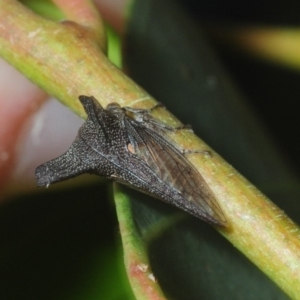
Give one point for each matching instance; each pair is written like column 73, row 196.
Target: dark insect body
column 131, row 147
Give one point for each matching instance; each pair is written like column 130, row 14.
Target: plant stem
column 65, row 59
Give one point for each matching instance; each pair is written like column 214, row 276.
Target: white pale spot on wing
column 130, row 148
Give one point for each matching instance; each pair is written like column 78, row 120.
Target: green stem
column 64, row 59
column 135, row 255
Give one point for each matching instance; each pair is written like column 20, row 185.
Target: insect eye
column 113, row 106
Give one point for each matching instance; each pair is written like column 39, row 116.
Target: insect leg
column 181, row 127
column 158, row 105
column 144, row 111
column 144, row 116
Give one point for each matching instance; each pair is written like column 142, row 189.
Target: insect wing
column 154, row 147
column 133, row 148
